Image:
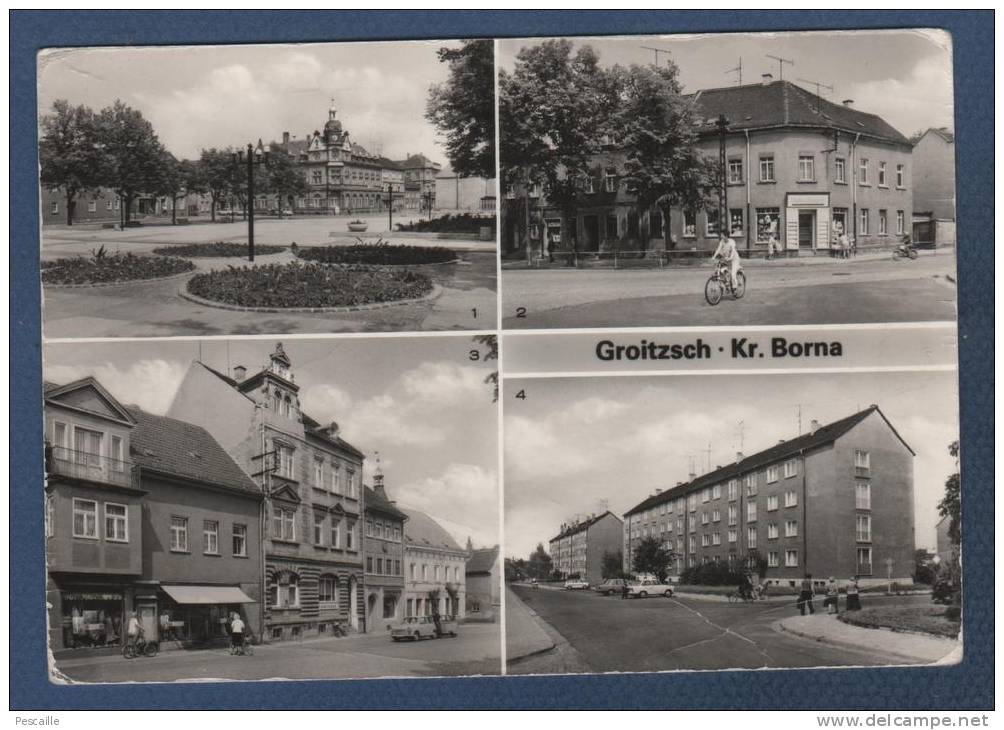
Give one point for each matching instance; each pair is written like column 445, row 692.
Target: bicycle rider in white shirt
column 727, row 251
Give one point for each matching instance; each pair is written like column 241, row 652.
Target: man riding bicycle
column 728, row 252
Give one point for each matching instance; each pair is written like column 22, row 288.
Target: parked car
column 413, row 628
column 576, row 584
column 610, row 585
column 645, row 588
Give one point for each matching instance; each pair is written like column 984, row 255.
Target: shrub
column 216, row 249
column 712, row 574
column 953, row 613
column 461, row 223
column 102, row 268
column 308, row 285
column 377, row 254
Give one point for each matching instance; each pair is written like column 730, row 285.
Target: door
column 147, row 612
column 806, row 222
column 591, row 233
column 353, row 603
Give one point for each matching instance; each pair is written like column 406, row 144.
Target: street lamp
column 390, row 207
column 253, row 156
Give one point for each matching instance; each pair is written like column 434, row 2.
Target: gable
column 88, row 396
column 286, row 493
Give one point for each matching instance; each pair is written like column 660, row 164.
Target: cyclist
column 745, row 587
column 728, row 252
column 135, row 629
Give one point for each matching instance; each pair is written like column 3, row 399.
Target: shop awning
column 217, row 595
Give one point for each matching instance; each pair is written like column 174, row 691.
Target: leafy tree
column 171, row 181
column 612, row 565
column 215, row 175
column 133, row 155
column 282, row 178
column 950, row 505
column 68, row 152
column 463, row 108
column 652, row 556
column 540, row 565
column 923, row 569
column 491, row 344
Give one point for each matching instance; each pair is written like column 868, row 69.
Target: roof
column 118, row 411
column 584, row 525
column 372, row 499
column 389, row 164
column 482, row 560
column 418, row 160
column 183, row 449
column 942, row 132
column 422, row 531
column 784, row 104
column 820, row 437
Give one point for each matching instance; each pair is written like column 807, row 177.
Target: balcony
column 89, row 467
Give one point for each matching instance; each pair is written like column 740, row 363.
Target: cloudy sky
column 903, row 76
column 419, row 401
column 215, row 96
column 583, row 445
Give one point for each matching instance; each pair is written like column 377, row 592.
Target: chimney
column 285, row 137
column 813, row 426
column 739, row 456
column 691, row 476
column 658, row 490
column 239, row 372
column 849, row 103
column 766, row 78
column 332, row 429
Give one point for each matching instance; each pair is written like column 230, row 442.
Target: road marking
column 725, row 631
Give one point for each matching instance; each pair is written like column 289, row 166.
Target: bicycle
column 245, row 648
column 720, row 282
column 140, row 647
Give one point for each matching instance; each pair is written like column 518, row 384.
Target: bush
column 308, row 285
column 712, row 574
column 377, row 254
column 462, row 223
column 101, row 268
column 926, row 619
column 216, row 249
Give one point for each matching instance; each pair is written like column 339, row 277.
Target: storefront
column 197, row 614
column 92, row 618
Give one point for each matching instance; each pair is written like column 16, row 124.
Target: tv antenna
column 819, row 85
column 780, row 65
column 739, row 70
column 657, row 51
column 741, row 428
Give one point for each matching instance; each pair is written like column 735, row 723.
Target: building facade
column 484, row 599
column 934, row 175
column 464, row 194
column 579, row 548
column 419, row 182
column 837, row 501
column 383, row 546
column 797, row 168
column 435, row 573
column 311, row 479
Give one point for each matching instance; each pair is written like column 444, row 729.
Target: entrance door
column 147, row 612
column 591, row 233
column 806, row 226
column 353, row 603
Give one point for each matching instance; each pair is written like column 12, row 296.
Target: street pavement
column 149, row 309
column 606, row 634
column 825, row 291
column 476, row 650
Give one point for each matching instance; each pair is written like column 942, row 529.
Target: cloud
column 149, row 384
column 444, row 383
column 926, row 93
column 463, row 498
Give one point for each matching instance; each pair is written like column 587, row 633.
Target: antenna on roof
column 799, row 409
column 780, row 65
column 819, row 85
column 738, row 69
column 657, row 51
column 742, row 434
column 708, row 469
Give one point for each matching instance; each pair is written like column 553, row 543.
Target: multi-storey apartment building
column 435, row 572
column 383, row 547
column 835, row 501
column 311, row 479
column 419, row 181
column 579, row 547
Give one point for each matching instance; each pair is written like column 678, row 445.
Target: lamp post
column 390, row 207
column 724, row 224
column 252, row 157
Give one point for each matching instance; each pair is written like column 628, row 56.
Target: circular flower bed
column 217, row 249
column 377, row 254
column 105, row 269
column 299, row 285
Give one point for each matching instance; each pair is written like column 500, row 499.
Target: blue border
column 965, row 686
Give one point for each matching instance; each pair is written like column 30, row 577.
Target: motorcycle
column 904, row 250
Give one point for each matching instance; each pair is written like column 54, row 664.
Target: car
column 610, row 585
column 413, row 628
column 576, row 584
column 645, row 588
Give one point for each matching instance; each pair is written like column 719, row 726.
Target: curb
column 535, row 652
column 185, row 294
column 104, row 284
column 913, row 659
column 385, row 266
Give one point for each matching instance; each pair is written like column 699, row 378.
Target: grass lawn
column 924, row 619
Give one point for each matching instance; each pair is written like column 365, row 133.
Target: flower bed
column 217, row 249
column 925, row 619
column 377, row 254
column 299, row 285
column 105, row 269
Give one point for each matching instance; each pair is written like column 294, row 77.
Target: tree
column 540, row 564
column 68, row 152
column 612, row 564
column 463, row 108
column 282, row 178
column 655, row 128
column 491, row 344
column 171, row 182
column 950, row 505
column 133, row 155
column 215, row 173
column 923, row 567
column 652, row 556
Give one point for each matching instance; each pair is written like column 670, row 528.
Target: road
column 477, row 650
column 594, row 633
column 820, row 291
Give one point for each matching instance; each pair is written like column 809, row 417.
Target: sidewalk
column 826, row 628
column 524, row 635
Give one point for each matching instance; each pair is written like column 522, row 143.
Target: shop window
column 737, row 225
column 768, row 224
column 711, row 222
column 92, row 619
column 689, row 224
column 389, row 606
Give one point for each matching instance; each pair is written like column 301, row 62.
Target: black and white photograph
column 727, row 179
column 267, row 189
column 271, row 509
column 720, row 522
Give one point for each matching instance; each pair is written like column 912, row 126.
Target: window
column 790, row 468
column 287, row 594
column 692, row 502
column 863, row 171
column 900, row 177
column 369, row 564
column 900, row 223
column 116, row 454
column 791, row 558
column 711, row 222
column 705, row 540
column 411, row 570
column 737, row 223
column 767, row 168
column 610, row 180
column 751, row 511
column 716, row 538
column 319, row 473
column 791, row 528
column 864, row 222
column 881, row 175
column 327, row 589
column 733, row 514
column 691, row 543
column 179, row 534
column 239, row 538
column 733, row 535
column 716, row 515
column 335, row 527
column 840, row 170
column 425, row 571
column 316, row 177
column 590, row 186
column 611, row 226
column 864, row 525
column 369, row 528
column 704, row 518
column 883, row 224
column 50, row 516
column 655, row 224
column 60, row 438
column 865, row 561
column 350, row 536
column 773, row 559
column 336, row 477
column 772, row 531
column 772, row 472
column 733, row 489
column 318, row 529
column 735, row 171
column 768, row 224
column 350, row 482
column 751, row 483
column 85, row 518
column 55, row 208
column 211, row 537
column 118, row 203
column 689, row 224
column 791, row 499
column 772, row 502
column 705, row 495
column 806, row 168
column 92, row 206
column 283, row 524
column 862, row 463
column 116, row 522
column 751, row 538
column 379, row 566
column 286, row 465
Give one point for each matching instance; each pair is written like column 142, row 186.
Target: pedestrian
column 853, row 595
column 135, row 629
column 832, row 600
column 805, row 595
column 773, row 247
column 624, row 590
column 236, row 633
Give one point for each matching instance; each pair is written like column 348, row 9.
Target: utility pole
column 390, row 207
column 780, row 65
column 723, row 196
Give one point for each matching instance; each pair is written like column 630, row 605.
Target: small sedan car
column 413, row 628
column 610, row 585
column 645, row 588
column 576, row 584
